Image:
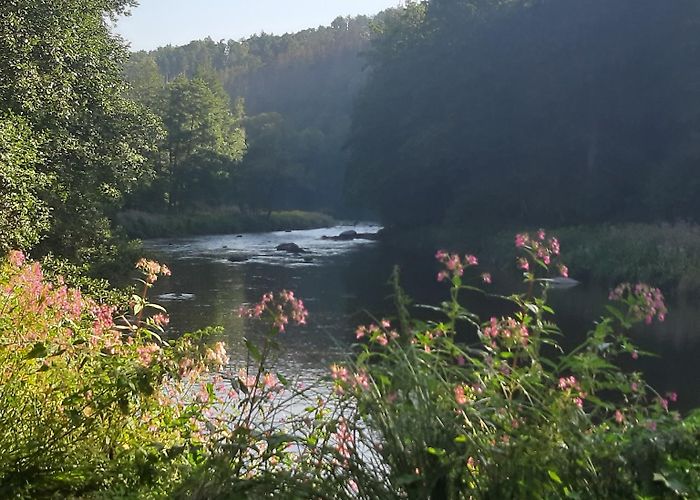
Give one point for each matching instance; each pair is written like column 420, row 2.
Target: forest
column 453, row 124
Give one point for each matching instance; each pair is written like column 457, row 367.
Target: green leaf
column 554, row 476
column 38, row 351
column 253, row 350
column 439, row 452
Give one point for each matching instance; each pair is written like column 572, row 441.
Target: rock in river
column 291, row 248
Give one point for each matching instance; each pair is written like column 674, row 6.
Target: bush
column 91, row 397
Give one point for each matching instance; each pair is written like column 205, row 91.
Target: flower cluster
column 217, row 357
column 540, row 249
column 152, row 269
column 573, row 388
column 380, row 334
column 465, row 393
column 508, row 332
column 344, row 379
column 344, row 440
column 282, row 308
column 646, row 302
column 455, row 265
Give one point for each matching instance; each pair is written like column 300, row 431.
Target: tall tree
column 61, row 72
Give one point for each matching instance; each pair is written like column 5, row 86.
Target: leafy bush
column 91, row 397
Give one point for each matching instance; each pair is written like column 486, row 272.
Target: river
column 343, row 282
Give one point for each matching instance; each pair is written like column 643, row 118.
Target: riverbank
column 146, row 225
column 666, row 255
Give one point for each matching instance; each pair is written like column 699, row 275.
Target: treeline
column 88, row 130
column 546, row 112
column 290, row 100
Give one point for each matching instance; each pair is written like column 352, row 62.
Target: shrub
column 91, row 398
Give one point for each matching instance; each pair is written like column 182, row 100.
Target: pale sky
column 155, row 23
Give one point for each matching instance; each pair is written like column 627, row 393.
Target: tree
column 204, row 140
column 61, row 71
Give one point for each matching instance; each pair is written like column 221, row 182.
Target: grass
column 225, row 220
column 664, row 255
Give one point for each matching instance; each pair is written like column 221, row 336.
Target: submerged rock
column 237, row 258
column 291, row 248
column 352, row 235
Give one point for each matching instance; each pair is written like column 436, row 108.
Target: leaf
column 38, row 351
column 438, row 452
column 253, row 350
column 554, row 476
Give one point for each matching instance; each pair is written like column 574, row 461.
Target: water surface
column 343, row 282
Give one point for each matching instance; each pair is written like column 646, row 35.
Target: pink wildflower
column 523, row 264
column 486, row 278
column 619, row 417
column 460, row 395
column 563, row 271
column 161, row 319
column 16, row 258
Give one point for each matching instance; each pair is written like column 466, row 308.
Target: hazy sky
column 177, row 22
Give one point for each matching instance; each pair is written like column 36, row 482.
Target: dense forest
column 551, row 112
column 291, row 94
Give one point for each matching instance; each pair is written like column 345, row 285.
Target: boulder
column 291, row 248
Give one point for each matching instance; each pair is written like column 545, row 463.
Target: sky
column 155, row 23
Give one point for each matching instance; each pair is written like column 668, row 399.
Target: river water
column 343, row 283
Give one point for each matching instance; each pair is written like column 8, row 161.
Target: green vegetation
column 72, row 144
column 480, row 115
column 96, row 403
column 218, row 221
column 547, row 113
column 297, row 92
column 667, row 255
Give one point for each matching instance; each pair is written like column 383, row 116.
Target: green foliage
column 24, row 217
column 221, row 220
column 511, row 415
column 203, row 142
column 494, row 113
column 297, row 88
column 60, row 70
column 91, row 402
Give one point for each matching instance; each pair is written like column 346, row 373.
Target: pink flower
column 161, row 319
column 16, row 258
column 362, row 380
column 460, row 395
column 541, row 235
column 554, row 246
column 564, row 271
column 486, row 278
column 471, row 260
column 523, row 264
column 672, row 396
column 521, row 240
column 619, row 417
column 339, row 373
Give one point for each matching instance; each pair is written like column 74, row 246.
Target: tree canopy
column 74, row 143
column 537, row 112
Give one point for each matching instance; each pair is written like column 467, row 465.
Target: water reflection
column 346, row 279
